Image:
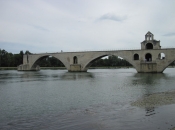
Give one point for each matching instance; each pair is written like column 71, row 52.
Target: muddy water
column 101, row 99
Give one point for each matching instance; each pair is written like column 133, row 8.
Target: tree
column 0, row 58
column 21, row 56
column 111, row 61
column 3, row 58
column 28, row 52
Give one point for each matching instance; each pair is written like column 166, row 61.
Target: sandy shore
column 156, row 99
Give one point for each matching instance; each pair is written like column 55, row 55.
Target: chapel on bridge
column 150, row 42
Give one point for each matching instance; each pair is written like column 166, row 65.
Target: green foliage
column 50, row 62
column 13, row 60
column 9, row 59
column 27, row 52
column 112, row 61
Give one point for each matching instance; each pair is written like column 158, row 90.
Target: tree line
column 111, row 61
column 10, row 60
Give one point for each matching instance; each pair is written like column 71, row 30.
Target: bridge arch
column 148, row 57
column 91, row 61
column 35, row 63
column 168, row 63
column 172, row 61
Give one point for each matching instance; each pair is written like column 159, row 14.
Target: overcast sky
column 55, row 25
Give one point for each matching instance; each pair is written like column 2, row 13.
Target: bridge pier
column 75, row 68
column 26, row 67
column 148, row 68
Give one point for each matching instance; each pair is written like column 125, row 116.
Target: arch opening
column 150, row 37
column 136, row 57
column 148, row 57
column 161, row 56
column 75, row 60
column 48, row 61
column 172, row 64
column 149, row 46
column 109, row 61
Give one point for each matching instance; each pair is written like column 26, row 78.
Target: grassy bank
column 8, row 68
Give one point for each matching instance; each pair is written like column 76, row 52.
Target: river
column 100, row 99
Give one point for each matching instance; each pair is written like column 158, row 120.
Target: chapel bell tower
column 150, row 42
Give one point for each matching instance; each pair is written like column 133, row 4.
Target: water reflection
column 59, row 75
column 46, row 75
column 149, row 78
column 150, row 111
column 100, row 99
column 75, row 76
column 32, row 76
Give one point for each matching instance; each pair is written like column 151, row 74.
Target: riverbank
column 117, row 67
column 8, row 68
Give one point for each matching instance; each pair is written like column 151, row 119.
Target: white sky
column 55, row 25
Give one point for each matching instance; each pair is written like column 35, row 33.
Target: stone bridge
column 150, row 58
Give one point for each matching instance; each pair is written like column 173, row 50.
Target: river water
column 101, row 99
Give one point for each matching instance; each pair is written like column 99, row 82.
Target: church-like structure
column 150, row 42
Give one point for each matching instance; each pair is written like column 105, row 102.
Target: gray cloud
column 113, row 17
column 39, row 28
column 169, row 34
column 89, row 25
column 14, row 46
